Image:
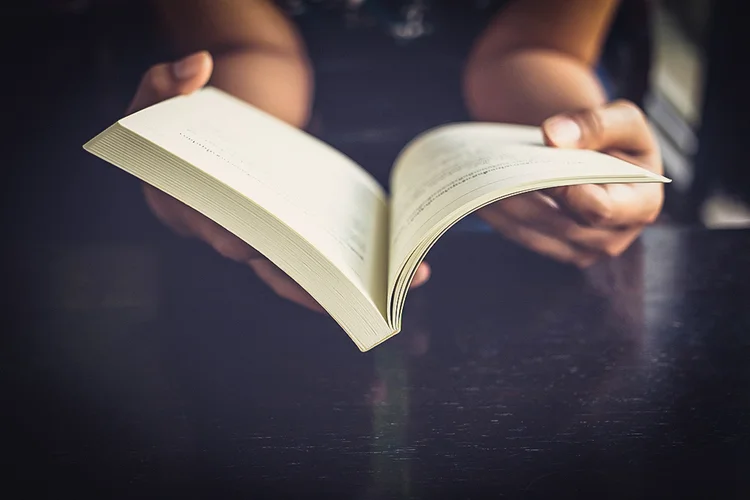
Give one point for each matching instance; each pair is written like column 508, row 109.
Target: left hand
column 581, row 224
column 183, row 77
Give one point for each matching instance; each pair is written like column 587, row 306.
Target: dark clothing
column 403, row 21
column 386, row 70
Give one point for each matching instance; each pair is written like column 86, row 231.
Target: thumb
column 619, row 126
column 167, row 80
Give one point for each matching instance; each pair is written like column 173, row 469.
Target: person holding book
column 531, row 64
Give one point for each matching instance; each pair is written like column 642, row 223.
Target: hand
column 581, row 224
column 185, row 76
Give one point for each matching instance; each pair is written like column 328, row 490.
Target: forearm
column 258, row 54
column 280, row 84
column 536, row 59
column 529, row 86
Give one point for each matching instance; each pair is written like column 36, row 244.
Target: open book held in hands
column 318, row 215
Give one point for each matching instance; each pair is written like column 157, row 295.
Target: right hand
column 582, row 224
column 183, row 77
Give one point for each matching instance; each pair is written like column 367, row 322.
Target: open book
column 318, row 215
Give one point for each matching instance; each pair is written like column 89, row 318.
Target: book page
column 318, row 192
column 450, row 171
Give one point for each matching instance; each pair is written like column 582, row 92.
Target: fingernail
column 420, row 275
column 563, row 131
column 187, row 67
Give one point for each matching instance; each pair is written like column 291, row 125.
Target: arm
column 535, row 60
column 533, row 66
column 247, row 48
column 258, row 54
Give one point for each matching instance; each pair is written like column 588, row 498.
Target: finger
column 283, row 285
column 611, row 205
column 167, row 209
column 620, row 125
column 167, row 80
column 222, row 241
column 538, row 211
column 619, row 242
column 542, row 243
column 189, row 222
column 587, row 204
column 421, row 275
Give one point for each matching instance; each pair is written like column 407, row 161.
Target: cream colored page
column 449, row 168
column 318, row 192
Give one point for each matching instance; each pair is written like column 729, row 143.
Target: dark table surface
column 134, row 368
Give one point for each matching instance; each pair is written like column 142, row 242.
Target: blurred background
column 696, row 98
column 75, row 63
